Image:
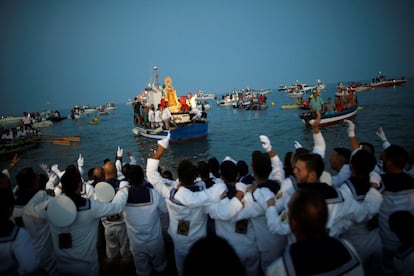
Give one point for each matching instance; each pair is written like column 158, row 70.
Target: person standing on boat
column 157, row 116
column 137, row 111
column 165, row 116
column 316, row 103
column 151, row 116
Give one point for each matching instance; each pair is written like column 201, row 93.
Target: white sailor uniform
column 142, row 219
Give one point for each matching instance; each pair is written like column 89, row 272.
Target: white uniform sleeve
column 36, row 207
column 6, row 172
column 155, row 178
column 132, row 160
column 114, row 207
column 320, row 145
column 205, row 197
column 373, row 200
column 225, row 209
column 343, row 175
column 277, row 172
column 277, row 224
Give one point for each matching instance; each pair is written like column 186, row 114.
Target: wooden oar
column 64, row 138
column 55, row 142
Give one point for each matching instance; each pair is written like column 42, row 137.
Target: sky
column 55, row 54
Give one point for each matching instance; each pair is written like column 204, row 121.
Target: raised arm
column 351, row 134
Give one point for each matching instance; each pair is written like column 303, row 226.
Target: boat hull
column 327, row 120
column 179, row 134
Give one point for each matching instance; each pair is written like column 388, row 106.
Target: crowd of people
column 272, row 218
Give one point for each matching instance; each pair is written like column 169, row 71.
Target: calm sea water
column 232, row 132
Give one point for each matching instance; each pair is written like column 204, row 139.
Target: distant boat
column 383, row 81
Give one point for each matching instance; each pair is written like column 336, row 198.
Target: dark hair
column 397, row 155
column 167, row 174
column 214, row 165
column 310, row 212
column 261, row 164
column 402, row 224
column 26, row 178
column 228, row 171
column 343, row 154
column 6, row 203
column 242, row 167
column 71, row 180
column 219, row 253
column 287, row 165
column 314, row 163
column 203, row 170
column 363, row 162
column 298, row 152
column 368, row 147
column 135, row 175
column 186, row 172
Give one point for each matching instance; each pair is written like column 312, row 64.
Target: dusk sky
column 90, row 52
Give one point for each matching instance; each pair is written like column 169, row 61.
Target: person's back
column 74, row 244
column 307, row 218
column 398, row 195
column 16, row 251
column 143, row 224
column 185, row 203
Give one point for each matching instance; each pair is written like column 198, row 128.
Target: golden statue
column 170, row 96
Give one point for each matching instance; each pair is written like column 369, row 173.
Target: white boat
column 229, row 99
column 10, row 120
column 203, row 105
column 110, row 106
column 206, row 96
column 42, row 124
column 87, row 109
column 295, row 94
column 76, row 113
column 129, row 102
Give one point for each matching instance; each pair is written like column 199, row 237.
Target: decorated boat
column 183, row 126
column 337, row 117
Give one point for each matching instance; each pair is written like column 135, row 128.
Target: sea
column 232, row 132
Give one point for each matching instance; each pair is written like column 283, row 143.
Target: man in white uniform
column 74, row 245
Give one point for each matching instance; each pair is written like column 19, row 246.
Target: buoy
column 273, row 103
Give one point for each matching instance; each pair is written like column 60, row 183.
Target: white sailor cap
column 61, row 211
column 104, row 191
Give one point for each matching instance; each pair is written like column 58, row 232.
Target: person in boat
column 136, row 105
column 308, row 217
column 316, row 103
column 192, row 101
column 184, row 106
column 27, row 119
column 7, row 135
column 151, row 116
column 338, row 103
column 157, row 116
column 330, row 107
column 165, row 116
